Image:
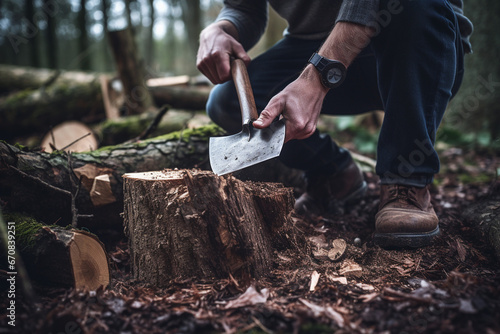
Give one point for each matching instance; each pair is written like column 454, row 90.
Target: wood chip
column 340, row 279
column 350, row 268
column 314, row 280
column 338, row 249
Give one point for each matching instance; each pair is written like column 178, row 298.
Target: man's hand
column 300, row 103
column 218, row 42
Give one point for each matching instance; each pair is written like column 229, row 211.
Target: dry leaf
column 249, row 297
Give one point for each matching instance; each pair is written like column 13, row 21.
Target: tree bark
column 49, row 98
column 130, row 70
column 60, row 257
column 194, row 224
column 45, row 185
column 52, row 44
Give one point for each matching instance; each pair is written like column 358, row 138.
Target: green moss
column 479, row 178
column 27, row 229
column 202, row 133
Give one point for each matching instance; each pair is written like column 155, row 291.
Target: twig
column 39, row 181
column 74, row 210
column 154, row 124
column 408, row 296
column 75, row 141
column 53, row 144
column 50, row 80
column 364, row 160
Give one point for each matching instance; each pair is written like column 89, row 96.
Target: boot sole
column 405, row 240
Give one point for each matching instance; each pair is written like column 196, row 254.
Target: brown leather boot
column 406, row 218
column 329, row 193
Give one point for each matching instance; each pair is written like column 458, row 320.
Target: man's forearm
column 344, row 43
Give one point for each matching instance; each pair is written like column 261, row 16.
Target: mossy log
column 116, row 131
column 45, row 184
column 71, row 96
column 195, row 224
column 39, row 99
column 56, row 256
column 484, row 219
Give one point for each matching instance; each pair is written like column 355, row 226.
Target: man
column 342, row 58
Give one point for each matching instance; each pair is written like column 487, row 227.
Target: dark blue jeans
column 411, row 69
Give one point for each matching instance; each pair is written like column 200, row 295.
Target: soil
column 449, row 287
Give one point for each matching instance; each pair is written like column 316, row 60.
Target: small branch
column 364, row 160
column 75, row 141
column 408, row 296
column 39, row 181
column 154, row 124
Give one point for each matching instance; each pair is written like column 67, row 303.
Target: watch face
column 334, row 75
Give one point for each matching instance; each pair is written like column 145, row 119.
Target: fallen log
column 116, row 131
column 194, row 224
column 56, row 256
column 484, row 219
column 71, row 96
column 45, row 98
column 47, row 185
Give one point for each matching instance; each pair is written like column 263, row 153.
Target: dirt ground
column 449, row 287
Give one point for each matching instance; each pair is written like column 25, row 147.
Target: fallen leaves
column 250, row 297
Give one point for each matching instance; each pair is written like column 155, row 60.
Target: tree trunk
column 68, row 96
column 194, row 224
column 34, row 47
column 478, row 99
column 130, row 70
column 484, row 218
column 83, row 40
column 60, row 257
column 150, row 44
column 191, row 15
column 52, row 45
column 44, row 184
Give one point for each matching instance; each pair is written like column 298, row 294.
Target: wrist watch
column 332, row 72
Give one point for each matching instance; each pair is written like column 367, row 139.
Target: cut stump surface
column 195, row 224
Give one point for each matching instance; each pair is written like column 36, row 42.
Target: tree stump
column 195, row 224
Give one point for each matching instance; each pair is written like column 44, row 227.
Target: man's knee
column 223, row 107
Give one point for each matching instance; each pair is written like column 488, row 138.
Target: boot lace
column 403, row 194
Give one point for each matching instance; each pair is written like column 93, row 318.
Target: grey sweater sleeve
column 363, row 12
column 249, row 18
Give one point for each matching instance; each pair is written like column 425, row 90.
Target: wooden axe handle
column 244, row 90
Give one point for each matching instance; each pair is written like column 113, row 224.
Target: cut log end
column 88, row 259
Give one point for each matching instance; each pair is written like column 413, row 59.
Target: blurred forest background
column 72, row 35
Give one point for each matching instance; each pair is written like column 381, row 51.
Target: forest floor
column 452, row 286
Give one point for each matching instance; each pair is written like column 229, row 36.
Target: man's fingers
column 273, row 110
column 240, row 53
